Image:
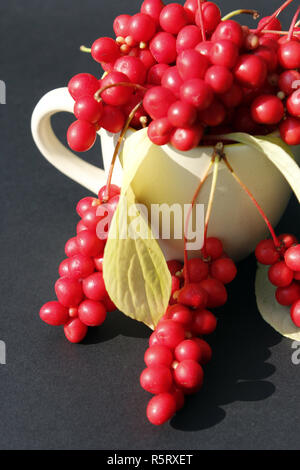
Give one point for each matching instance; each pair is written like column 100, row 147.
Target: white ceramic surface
column 170, row 176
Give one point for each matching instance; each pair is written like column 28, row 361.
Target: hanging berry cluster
column 198, row 75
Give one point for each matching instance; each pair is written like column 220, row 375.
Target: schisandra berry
column 89, row 244
column 75, row 330
column 161, row 408
column 109, row 305
column 174, row 288
column 132, row 67
column 179, row 397
column 287, row 81
column 182, row 114
column 179, row 313
column 213, row 248
column 69, row 291
column 290, row 131
column 81, row 136
column 267, row 109
column 156, row 379
column 289, row 54
column 266, row 252
column 94, row 287
column 188, row 38
column 105, row 50
column 53, row 313
column 217, row 294
column 188, row 349
column 71, row 247
column 152, row 8
column 206, row 351
column 172, row 80
column 114, row 190
column 158, row 355
column 163, row 48
column 191, row 64
column 63, row 269
column 80, row 266
column 197, row 92
column 174, row 266
column 155, row 74
column 214, row 115
column 250, row 71
column 219, row 78
column 211, row 16
column 293, row 103
column 83, row 84
column 92, row 313
column 288, row 295
column 233, row 97
column 280, row 275
column 153, row 340
column 157, row 101
column 173, row 18
column 223, row 269
column 84, row 204
column 142, row 27
column 188, row 376
column 292, row 258
column 121, row 25
column 197, row 270
column 88, row 109
column 229, row 30
column 185, row 139
column 224, row 53
column 113, row 119
column 204, row 322
column 169, row 333
column 288, row 240
column 117, row 95
column 295, row 313
column 193, row 295
column 160, row 131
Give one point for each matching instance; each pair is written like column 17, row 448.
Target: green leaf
column 274, row 314
column 277, row 152
column 135, row 271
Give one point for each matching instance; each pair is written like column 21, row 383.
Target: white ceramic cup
column 170, row 176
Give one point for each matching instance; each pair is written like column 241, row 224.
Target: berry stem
column 98, row 93
column 293, row 24
column 114, row 158
column 85, row 49
column 219, row 155
column 259, row 208
column 201, row 183
column 201, row 20
column 269, row 31
column 230, row 15
column 275, row 14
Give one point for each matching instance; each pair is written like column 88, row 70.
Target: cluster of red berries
column 176, row 350
column 284, row 271
column 82, row 297
column 196, row 75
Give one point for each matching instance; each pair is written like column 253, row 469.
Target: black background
column 54, row 395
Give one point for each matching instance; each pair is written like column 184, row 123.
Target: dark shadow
column 116, row 324
column 239, row 369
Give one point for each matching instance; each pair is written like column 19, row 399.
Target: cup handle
column 53, row 150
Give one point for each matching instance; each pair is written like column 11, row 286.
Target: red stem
column 275, row 14
column 201, row 20
column 259, row 208
column 291, row 30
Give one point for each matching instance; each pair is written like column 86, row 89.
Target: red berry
column 280, row 275
column 173, row 18
column 289, row 81
column 289, row 55
column 157, row 101
column 214, row 115
column 193, row 295
column 188, row 375
column 175, row 288
column 172, row 80
column 132, row 67
column 117, row 95
column 214, row 247
column 152, row 8
column 160, row 131
column 155, row 74
column 188, row 38
column 267, row 109
column 233, row 97
column 288, row 295
column 229, row 30
column 250, row 71
column 292, row 258
column 75, row 330
column 290, row 131
column 92, row 313
column 224, row 53
column 180, row 314
column 63, row 269
column 80, row 266
column 53, row 313
column 223, row 269
column 98, row 260
column 71, row 247
column 206, row 351
column 182, row 114
column 112, row 120
column 211, row 16
column 293, row 103
column 163, row 48
column 204, row 322
column 94, row 287
column 105, row 50
column 81, row 136
column 197, row 269
column 269, row 55
column 191, row 64
column 174, row 266
column 219, row 78
column 188, row 349
column 169, row 333
column 69, row 291
column 158, row 355
column 288, row 240
column 197, row 93
column 153, row 340
column 270, row 24
column 142, row 27
column 146, row 58
column 161, row 408
column 266, row 252
column 89, row 244
column 88, row 109
column 179, row 397
column 204, row 48
column 114, row 190
column 156, row 379
column 83, row 84
column 295, row 313
column 83, row 205
column 121, row 25
column 217, row 294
